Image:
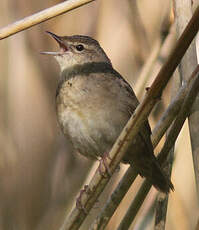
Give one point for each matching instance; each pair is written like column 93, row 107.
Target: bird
column 94, row 103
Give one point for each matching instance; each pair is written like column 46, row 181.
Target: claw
column 104, row 164
column 79, row 199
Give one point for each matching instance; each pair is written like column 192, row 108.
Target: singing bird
column 94, row 103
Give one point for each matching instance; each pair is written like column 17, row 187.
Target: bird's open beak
column 62, row 45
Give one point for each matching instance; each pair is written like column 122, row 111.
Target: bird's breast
column 81, row 120
column 91, row 114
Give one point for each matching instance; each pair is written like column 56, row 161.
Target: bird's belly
column 90, row 134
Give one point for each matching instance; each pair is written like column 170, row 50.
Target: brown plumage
column 94, row 104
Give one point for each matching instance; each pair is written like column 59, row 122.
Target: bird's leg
column 104, row 164
column 79, row 198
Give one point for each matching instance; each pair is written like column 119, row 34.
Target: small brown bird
column 94, row 103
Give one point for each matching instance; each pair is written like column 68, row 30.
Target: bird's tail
column 159, row 179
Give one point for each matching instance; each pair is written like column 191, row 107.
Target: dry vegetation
column 40, row 174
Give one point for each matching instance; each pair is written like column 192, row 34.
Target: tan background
column 40, row 174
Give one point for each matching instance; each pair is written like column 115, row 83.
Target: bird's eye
column 79, row 47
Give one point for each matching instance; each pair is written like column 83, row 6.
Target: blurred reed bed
column 40, row 173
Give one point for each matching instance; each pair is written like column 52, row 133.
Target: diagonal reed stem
column 41, row 16
column 98, row 183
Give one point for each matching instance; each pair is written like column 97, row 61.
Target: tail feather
column 153, row 173
column 159, row 179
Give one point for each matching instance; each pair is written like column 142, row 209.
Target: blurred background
column 40, row 174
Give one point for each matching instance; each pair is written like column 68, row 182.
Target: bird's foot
column 103, row 166
column 79, row 204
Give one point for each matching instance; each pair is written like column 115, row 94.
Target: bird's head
column 77, row 49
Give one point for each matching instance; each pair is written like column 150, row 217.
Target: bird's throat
column 84, row 70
